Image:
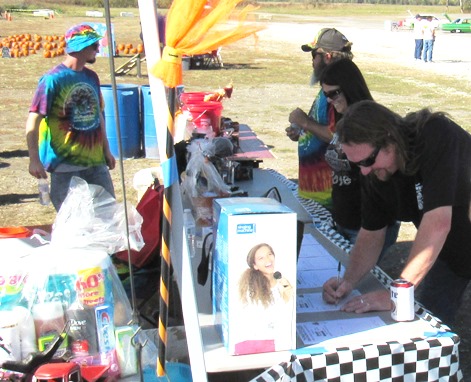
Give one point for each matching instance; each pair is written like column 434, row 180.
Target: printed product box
column 254, row 274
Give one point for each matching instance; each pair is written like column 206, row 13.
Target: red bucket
column 12, row 232
column 205, row 114
column 188, row 98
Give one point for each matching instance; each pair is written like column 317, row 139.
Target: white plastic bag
column 91, row 218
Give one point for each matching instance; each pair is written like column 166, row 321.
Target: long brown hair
column 374, row 124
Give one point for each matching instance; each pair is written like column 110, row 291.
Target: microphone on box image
column 277, row 275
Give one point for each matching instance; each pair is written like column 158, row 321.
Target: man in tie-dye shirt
column 313, row 131
column 65, row 130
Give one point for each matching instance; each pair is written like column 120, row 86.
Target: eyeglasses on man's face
column 95, row 45
column 316, row 53
column 369, row 161
column 333, row 94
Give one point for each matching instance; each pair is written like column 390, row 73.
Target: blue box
column 254, row 274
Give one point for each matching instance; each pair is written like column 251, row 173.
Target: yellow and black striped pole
column 165, row 270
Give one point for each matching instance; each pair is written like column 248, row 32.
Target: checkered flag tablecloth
column 421, row 359
column 433, row 358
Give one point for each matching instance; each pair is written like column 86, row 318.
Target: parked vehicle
column 460, row 25
column 408, row 22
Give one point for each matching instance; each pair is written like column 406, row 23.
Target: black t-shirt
column 443, row 179
column 346, row 188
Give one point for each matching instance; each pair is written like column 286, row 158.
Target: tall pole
column 135, row 316
column 165, row 275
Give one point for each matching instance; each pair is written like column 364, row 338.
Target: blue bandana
column 79, row 37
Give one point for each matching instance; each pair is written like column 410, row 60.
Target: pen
column 338, row 275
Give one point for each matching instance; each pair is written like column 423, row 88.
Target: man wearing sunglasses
column 418, row 170
column 65, row 129
column 313, row 130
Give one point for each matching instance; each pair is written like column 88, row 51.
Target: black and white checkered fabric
column 434, row 359
column 422, row 359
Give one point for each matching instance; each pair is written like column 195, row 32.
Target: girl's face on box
column 265, row 261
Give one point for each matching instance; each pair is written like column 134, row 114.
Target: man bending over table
column 418, row 169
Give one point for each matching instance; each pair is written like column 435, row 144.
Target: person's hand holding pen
column 336, row 287
column 339, row 268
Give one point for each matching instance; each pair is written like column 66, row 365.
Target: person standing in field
column 65, row 129
column 313, row 130
column 429, row 39
column 419, row 37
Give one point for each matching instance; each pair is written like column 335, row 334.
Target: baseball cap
column 329, row 39
column 79, row 37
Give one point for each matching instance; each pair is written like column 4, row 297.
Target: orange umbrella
column 193, row 27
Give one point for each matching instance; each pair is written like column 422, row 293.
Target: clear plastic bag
column 201, row 182
column 91, row 218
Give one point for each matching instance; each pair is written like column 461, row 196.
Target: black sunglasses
column 370, row 161
column 95, row 45
column 333, row 94
column 315, row 53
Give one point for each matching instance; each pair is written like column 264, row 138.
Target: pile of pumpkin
column 129, row 49
column 22, row 45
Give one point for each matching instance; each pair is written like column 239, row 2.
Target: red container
column 203, row 114
column 11, row 232
column 187, row 98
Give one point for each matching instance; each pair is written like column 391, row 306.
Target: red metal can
column 402, row 297
column 80, row 347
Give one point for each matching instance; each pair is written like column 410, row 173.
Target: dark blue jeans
column 441, row 292
column 419, row 43
column 428, row 50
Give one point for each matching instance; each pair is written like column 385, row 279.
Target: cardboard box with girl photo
column 254, row 274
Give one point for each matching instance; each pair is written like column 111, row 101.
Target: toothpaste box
column 106, row 338
column 254, row 274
